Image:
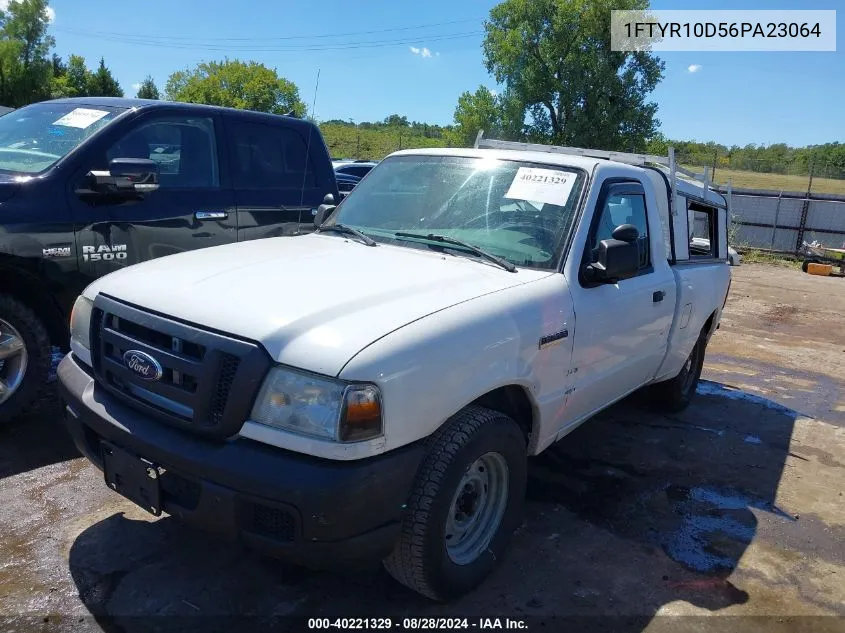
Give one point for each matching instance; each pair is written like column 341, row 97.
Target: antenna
column 308, row 149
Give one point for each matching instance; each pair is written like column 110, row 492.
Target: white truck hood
column 313, row 301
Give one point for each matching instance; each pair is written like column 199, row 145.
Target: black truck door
column 192, row 208
column 273, row 193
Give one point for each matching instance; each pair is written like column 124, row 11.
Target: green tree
column 102, row 84
column 25, row 63
column 148, row 89
column 396, row 120
column 554, row 58
column 236, row 84
column 78, row 76
column 479, row 110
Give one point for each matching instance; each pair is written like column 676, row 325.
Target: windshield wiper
column 348, row 230
column 445, row 239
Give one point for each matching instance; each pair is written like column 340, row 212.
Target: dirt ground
column 636, row 521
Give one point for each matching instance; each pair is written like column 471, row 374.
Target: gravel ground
column 636, row 521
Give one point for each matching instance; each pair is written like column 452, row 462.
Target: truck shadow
column 35, row 439
column 632, row 511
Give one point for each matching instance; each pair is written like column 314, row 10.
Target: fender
column 430, row 369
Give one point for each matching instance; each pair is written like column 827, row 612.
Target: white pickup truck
column 373, row 390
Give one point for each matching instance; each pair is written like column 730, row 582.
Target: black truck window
column 184, row 148
column 269, row 156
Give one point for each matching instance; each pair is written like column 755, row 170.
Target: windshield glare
column 33, row 138
column 519, row 211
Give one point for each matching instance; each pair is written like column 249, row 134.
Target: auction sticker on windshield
column 81, row 118
column 550, row 186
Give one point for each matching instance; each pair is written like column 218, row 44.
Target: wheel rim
column 689, row 369
column 13, row 358
column 477, row 508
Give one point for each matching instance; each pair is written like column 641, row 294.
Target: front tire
column 674, row 395
column 464, row 507
column 24, row 357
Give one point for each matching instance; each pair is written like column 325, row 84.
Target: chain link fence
column 797, row 175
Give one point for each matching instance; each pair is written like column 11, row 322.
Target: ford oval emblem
column 142, row 365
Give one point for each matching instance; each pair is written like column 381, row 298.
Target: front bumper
column 310, row 511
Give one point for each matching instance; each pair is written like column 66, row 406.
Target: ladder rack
column 664, row 162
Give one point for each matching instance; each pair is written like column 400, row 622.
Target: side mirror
column 324, row 210
column 626, row 233
column 126, row 176
column 617, row 260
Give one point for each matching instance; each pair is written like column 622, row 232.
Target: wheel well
column 28, row 290
column 707, row 330
column 513, row 401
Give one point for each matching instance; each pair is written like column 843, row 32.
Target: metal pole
column 810, row 184
column 715, row 157
column 775, row 223
column 805, row 209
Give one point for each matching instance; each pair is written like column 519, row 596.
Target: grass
column 757, row 256
column 345, row 141
column 776, row 182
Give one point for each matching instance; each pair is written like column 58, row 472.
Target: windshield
column 521, row 212
column 33, row 138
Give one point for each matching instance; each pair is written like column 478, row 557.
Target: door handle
column 658, row 296
column 211, row 215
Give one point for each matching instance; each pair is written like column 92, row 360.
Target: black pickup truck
column 91, row 185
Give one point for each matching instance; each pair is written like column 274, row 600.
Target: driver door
column 622, row 328
column 192, row 208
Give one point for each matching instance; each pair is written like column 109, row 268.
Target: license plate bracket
column 134, row 477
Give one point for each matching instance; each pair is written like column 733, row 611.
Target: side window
column 358, row 172
column 185, row 149
column 623, row 208
column 269, row 156
column 702, row 226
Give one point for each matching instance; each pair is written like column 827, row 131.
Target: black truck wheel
column 24, row 357
column 675, row 395
column 464, row 507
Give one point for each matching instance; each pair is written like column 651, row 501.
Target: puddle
column 56, row 355
column 707, row 388
column 713, row 526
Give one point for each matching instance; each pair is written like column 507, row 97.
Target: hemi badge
column 553, row 339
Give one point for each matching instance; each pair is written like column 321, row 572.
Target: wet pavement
column 635, row 521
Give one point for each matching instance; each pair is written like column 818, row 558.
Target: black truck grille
column 206, row 383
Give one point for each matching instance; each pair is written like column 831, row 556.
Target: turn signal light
column 361, row 418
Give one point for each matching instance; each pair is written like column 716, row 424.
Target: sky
column 380, row 57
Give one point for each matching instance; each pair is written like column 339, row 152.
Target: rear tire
column 464, row 507
column 23, row 371
column 674, row 395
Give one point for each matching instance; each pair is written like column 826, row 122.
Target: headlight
column 80, row 321
column 318, row 406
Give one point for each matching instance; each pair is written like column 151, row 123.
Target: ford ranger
column 459, row 313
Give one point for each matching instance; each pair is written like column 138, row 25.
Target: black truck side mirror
column 618, row 258
column 126, row 176
column 324, row 210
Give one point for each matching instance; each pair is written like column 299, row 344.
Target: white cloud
column 493, row 92
column 136, row 87
column 422, row 52
column 693, row 68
